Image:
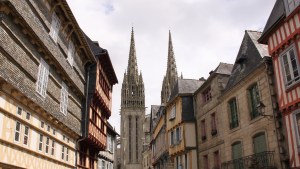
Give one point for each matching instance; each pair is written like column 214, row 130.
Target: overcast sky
column 204, row 33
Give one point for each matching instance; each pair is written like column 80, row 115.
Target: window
column 48, row 128
column 102, row 164
column 290, row 66
column 254, row 101
column 71, row 52
column 41, row 143
column 236, row 154
column 19, row 111
column 290, row 5
column 28, row 115
column 205, row 161
column 42, row 124
column 207, row 95
column 178, row 135
column 64, row 99
column 67, row 155
column 53, row 131
column 55, row 26
column 173, row 112
column 53, row 147
column 259, row 143
column 213, row 124
column 64, row 137
column 217, row 163
column 17, row 131
column 26, row 135
column 47, row 145
column 203, row 130
column 42, row 79
column 172, row 142
column 63, row 152
column 233, row 114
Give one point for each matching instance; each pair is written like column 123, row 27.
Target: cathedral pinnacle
column 132, row 69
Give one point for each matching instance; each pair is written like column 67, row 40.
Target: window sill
column 292, row 86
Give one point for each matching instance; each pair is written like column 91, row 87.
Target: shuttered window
column 64, row 99
column 42, row 80
column 55, row 26
column 259, row 142
column 236, row 150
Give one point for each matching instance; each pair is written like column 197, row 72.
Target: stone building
column 107, row 157
column 43, row 58
column 281, row 33
column 250, row 122
column 100, row 80
column 146, row 143
column 132, row 113
column 208, row 115
column 181, row 124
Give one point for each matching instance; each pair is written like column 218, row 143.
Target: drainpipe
column 86, row 114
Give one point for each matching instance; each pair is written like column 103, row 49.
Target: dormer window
column 207, row 95
column 71, row 53
column 55, row 26
column 290, row 5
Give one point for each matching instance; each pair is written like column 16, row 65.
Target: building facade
column 101, row 78
column 253, row 135
column 181, row 124
column 43, row 59
column 107, row 157
column 281, row 33
column 132, row 113
column 146, row 143
column 208, row 115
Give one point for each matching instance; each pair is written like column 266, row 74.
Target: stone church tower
column 132, row 113
column 171, row 76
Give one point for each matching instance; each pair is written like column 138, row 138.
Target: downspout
column 86, row 114
column 196, row 127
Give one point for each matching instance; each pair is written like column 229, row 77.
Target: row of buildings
column 55, row 90
column 244, row 115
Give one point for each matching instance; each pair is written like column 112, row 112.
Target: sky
column 204, row 33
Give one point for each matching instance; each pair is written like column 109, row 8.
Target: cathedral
column 132, row 113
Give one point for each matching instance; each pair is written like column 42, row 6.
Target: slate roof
column 111, row 130
column 223, row 68
column 185, row 86
column 250, row 56
column 278, row 13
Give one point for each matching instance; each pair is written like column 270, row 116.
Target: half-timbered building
column 281, row 33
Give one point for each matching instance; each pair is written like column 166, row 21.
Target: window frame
column 233, row 122
column 292, row 82
column 71, row 53
column 297, row 128
column 21, row 110
column 28, row 116
column 289, row 9
column 64, row 95
column 19, row 132
column 55, row 27
column 203, row 129
column 207, row 95
column 26, row 135
column 42, row 78
column 253, row 109
column 41, row 142
column 53, row 148
column 173, row 112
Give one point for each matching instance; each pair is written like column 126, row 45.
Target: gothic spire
column 171, row 74
column 132, row 69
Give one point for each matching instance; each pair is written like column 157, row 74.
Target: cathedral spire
column 171, row 74
column 132, row 69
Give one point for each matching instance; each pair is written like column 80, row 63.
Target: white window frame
column 63, row 152
column 290, row 5
column 67, row 154
column 64, row 99
column 173, row 112
column 18, row 131
column 47, row 147
column 21, row 110
column 71, row 53
column 53, row 148
column 28, row 116
column 293, row 80
column 41, row 142
column 42, row 79
column 26, row 135
column 55, row 27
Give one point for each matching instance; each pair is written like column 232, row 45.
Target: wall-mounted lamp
column 261, row 110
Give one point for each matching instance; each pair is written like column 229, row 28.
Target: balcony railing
column 263, row 160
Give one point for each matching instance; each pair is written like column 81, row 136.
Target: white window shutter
column 42, row 79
